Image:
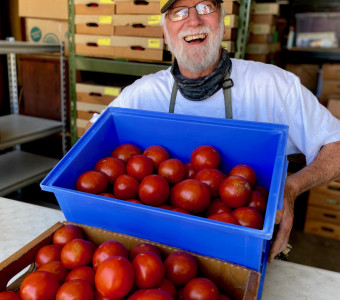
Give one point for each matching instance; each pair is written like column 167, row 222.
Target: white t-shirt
column 261, row 93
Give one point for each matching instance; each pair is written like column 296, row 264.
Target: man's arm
column 324, row 169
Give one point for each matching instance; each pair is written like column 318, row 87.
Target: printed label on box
column 106, row 1
column 35, row 34
column 227, row 21
column 111, row 91
column 104, row 41
column 154, row 43
column 105, row 19
column 154, row 20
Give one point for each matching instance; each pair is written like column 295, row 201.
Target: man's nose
column 194, row 17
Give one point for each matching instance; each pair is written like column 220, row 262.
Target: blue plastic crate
column 260, row 145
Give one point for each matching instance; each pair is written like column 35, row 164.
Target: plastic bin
column 261, row 145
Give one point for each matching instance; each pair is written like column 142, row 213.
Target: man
column 193, row 30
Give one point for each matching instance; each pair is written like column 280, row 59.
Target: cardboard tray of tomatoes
column 259, row 145
column 236, row 281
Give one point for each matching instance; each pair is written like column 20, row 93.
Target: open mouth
column 197, row 38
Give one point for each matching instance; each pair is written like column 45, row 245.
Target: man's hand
column 284, row 217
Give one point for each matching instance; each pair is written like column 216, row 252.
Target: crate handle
column 138, row 26
column 327, row 229
column 93, row 94
column 329, row 216
column 331, row 201
column 92, row 24
column 91, row 4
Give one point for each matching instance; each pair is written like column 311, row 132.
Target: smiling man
column 204, row 81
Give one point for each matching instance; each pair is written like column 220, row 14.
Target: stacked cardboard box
column 45, row 21
column 232, row 8
column 323, row 211
column 262, row 41
column 330, row 84
column 92, row 98
column 138, row 33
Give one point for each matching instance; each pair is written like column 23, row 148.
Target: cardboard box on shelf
column 325, row 229
column 47, row 31
column 330, row 87
column 260, row 38
column 94, row 24
column 229, row 46
column 230, row 34
column 262, row 48
column 263, row 19
column 94, row 7
column 333, row 106
column 265, row 58
column 272, row 8
column 150, row 7
column 93, row 45
column 331, row 71
column 307, row 73
column 138, row 25
column 231, row 21
column 94, row 93
column 317, row 213
column 231, row 7
column 46, row 9
column 238, row 282
column 256, row 28
column 326, row 196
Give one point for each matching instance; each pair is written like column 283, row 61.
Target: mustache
column 202, row 29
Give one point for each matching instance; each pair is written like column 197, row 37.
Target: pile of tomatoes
column 72, row 267
column 198, row 187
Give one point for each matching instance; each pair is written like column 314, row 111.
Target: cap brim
column 167, row 6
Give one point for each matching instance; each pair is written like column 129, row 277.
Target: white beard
column 197, row 59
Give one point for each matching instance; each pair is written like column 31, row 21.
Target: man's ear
column 164, row 35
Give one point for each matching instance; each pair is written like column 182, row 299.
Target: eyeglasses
column 202, row 8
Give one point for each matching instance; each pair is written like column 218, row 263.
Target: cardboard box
column 265, row 8
column 326, row 196
column 138, row 25
column 47, row 31
column 46, row 9
column 231, row 7
column 100, row 94
column 230, row 34
column 236, row 281
column 316, row 213
column 94, row 7
column 229, row 46
column 260, row 38
column 93, row 45
column 265, row 58
column 307, row 73
column 255, row 28
column 231, row 21
column 150, row 7
column 331, row 71
column 330, row 87
column 263, row 19
column 324, row 229
column 333, row 106
column 94, row 24
column 262, row 48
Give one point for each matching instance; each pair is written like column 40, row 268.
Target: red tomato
column 76, row 289
column 9, row 295
column 98, row 296
column 205, row 157
column 143, row 247
column 226, row 217
column 114, row 277
column 150, row 294
column 76, row 253
column 180, row 267
column 235, row 191
column 125, row 151
column 168, row 287
column 39, row 286
column 157, row 154
column 248, row 217
column 47, row 253
column 149, row 270
column 217, row 206
column 83, row 273
column 262, row 190
column 223, row 297
column 66, row 233
column 112, row 167
column 245, row 171
column 107, row 195
column 258, row 201
column 191, row 195
column 173, row 170
column 92, row 181
column 200, row 288
column 212, row 178
column 139, row 166
column 126, row 187
column 107, row 249
column 180, row 210
column 56, row 268
column 191, row 172
column 135, row 201
column 153, row 190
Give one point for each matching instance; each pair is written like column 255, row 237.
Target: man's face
column 195, row 41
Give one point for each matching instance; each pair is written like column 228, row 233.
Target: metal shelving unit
column 130, row 68
column 19, row 168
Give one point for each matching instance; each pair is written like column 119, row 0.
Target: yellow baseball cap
column 165, row 4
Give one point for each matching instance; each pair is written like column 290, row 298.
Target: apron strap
column 227, row 85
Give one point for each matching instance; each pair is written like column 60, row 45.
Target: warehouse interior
column 283, row 45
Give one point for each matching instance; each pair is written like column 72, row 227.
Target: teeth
column 195, row 37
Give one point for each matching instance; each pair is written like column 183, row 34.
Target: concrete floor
column 307, row 249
